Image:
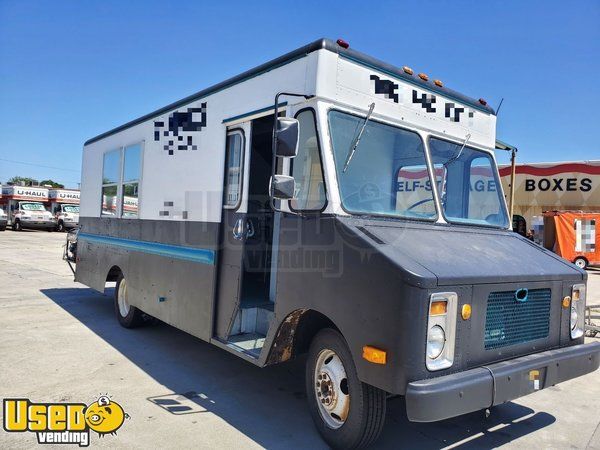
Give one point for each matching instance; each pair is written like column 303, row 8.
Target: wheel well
column 296, row 333
column 581, row 257
column 113, row 273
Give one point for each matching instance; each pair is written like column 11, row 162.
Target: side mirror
column 286, row 137
column 282, row 187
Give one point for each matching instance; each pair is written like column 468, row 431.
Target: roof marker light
column 407, row 70
column 423, row 77
column 482, row 101
column 342, row 43
column 438, row 83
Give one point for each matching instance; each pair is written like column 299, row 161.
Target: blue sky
column 70, row 70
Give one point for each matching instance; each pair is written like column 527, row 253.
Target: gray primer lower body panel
column 178, row 292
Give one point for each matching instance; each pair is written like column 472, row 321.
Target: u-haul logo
column 63, row 423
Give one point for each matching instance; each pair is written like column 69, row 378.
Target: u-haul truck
column 272, row 218
column 64, row 204
column 25, row 207
column 3, row 215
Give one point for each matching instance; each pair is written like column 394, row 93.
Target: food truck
column 64, row 204
column 573, row 235
column 25, row 207
column 330, row 204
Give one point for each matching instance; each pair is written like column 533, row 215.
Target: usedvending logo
column 63, row 423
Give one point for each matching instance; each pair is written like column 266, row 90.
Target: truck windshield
column 468, row 184
column 32, row 207
column 388, row 176
column 71, row 209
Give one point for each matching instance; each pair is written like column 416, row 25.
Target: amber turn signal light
column 374, row 355
column 465, row 312
column 566, row 302
column 438, row 308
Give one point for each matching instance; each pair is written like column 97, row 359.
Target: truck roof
column 320, row 44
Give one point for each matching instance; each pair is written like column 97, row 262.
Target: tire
column 128, row 316
column 581, row 263
column 17, row 226
column 364, row 405
column 60, row 227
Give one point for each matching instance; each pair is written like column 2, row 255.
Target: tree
column 54, row 184
column 25, row 181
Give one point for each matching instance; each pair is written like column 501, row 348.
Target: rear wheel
column 581, row 263
column 347, row 412
column 60, row 227
column 129, row 316
column 17, row 226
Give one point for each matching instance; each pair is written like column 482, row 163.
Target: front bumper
column 38, row 224
column 475, row 389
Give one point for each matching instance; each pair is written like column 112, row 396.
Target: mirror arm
column 274, row 141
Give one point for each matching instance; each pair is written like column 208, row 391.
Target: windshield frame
column 422, row 136
column 491, row 155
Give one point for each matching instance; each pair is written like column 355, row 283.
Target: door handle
column 242, row 229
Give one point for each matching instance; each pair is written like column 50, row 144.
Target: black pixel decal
column 181, row 126
column 426, row 101
column 453, row 112
column 385, row 87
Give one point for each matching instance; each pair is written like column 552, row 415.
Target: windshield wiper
column 357, row 140
column 467, row 137
column 451, row 160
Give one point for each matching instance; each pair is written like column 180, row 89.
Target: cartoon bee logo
column 105, row 416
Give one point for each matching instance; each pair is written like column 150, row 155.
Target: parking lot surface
column 60, row 342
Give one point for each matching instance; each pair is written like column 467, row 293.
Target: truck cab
column 3, row 218
column 31, row 215
column 67, row 216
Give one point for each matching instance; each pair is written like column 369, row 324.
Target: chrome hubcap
column 331, row 389
column 122, row 298
column 580, row 263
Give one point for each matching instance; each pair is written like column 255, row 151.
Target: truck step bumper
column 475, row 389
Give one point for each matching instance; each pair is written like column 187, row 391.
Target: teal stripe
column 199, row 255
column 251, row 113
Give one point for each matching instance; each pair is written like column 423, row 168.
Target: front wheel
column 347, row 412
column 17, row 226
column 581, row 263
column 60, row 227
column 128, row 315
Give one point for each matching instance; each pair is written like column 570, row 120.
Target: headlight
column 577, row 310
column 441, row 328
column 436, row 338
column 574, row 317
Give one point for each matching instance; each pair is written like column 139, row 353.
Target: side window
column 111, row 176
column 234, row 155
column 306, row 167
column 131, row 180
column 120, row 181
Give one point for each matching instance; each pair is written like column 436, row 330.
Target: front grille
column 509, row 321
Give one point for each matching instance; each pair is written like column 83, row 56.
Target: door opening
column 256, row 265
column 244, row 310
